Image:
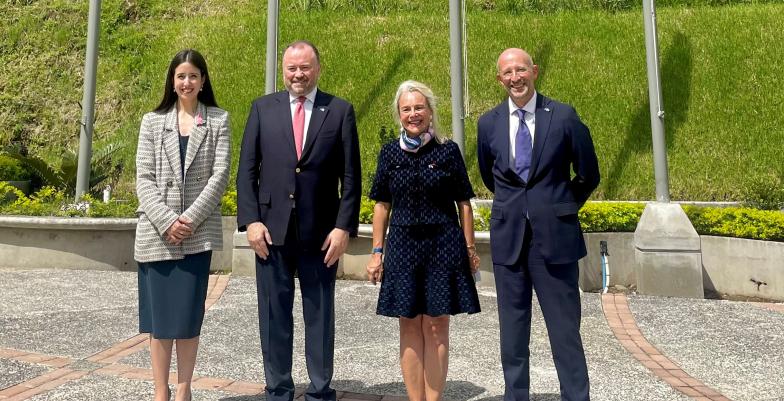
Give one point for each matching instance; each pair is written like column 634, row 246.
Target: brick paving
column 106, row 363
column 624, row 327
column 770, row 306
column 108, row 358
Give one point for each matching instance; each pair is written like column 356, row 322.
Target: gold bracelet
column 471, row 246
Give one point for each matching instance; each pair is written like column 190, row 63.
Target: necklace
column 188, row 124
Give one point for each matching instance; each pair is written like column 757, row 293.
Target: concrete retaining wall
column 620, row 247
column 736, row 266
column 730, row 265
column 68, row 243
column 82, row 243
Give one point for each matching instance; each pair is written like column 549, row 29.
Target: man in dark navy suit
column 538, row 159
column 298, row 197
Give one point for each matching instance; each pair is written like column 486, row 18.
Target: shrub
column 229, row 203
column 482, row 219
column 50, row 201
column 8, row 193
column 115, row 208
column 62, row 175
column 610, row 217
column 366, row 210
column 737, row 222
column 12, row 170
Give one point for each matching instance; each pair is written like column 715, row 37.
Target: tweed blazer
column 165, row 194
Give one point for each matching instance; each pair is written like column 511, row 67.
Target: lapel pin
column 547, row 109
column 321, row 109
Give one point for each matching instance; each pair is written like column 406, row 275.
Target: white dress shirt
column 310, row 99
column 514, row 123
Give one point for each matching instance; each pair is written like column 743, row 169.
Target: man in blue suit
column 538, row 159
column 298, row 197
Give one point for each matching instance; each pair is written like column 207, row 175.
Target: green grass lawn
column 721, row 69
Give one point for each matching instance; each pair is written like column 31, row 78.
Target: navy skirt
column 172, row 295
column 426, row 272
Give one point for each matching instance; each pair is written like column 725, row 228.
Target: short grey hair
column 430, row 98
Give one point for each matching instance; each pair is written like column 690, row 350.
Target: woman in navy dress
column 430, row 255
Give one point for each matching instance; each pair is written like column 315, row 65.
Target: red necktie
column 299, row 125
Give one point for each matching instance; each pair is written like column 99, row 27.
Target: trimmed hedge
column 737, row 222
column 610, row 217
column 767, row 225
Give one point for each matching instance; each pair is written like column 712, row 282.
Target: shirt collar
column 529, row 107
column 310, row 96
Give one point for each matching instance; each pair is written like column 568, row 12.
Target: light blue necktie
column 523, row 148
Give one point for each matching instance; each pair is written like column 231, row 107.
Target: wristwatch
column 378, row 250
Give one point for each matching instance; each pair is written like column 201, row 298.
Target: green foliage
column 765, row 192
column 366, row 210
column 12, row 170
column 590, row 53
column 50, row 201
column 738, row 222
column 610, row 217
column 114, row 208
column 482, row 219
column 9, row 193
column 63, row 175
column 229, row 203
column 46, row 202
column 376, row 7
column 721, row 221
column 594, row 216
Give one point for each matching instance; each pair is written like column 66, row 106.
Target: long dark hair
column 205, row 96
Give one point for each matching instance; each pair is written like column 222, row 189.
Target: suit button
column 297, row 170
column 291, row 196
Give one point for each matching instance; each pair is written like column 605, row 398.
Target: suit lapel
column 198, row 133
column 171, row 143
column 317, row 116
column 282, row 114
column 543, row 117
column 501, row 134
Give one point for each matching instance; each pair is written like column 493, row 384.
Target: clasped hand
column 181, row 228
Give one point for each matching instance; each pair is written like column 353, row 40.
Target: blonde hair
column 416, row 86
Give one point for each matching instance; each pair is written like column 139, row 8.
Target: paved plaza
column 73, row 335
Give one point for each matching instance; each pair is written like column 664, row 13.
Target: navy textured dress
column 426, row 268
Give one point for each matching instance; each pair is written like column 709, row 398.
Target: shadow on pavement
column 456, row 390
column 534, row 397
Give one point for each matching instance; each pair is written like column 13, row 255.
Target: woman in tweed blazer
column 182, row 167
